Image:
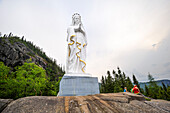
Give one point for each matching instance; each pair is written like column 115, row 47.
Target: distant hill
column 158, row 82
column 14, row 51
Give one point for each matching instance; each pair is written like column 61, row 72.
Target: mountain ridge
column 14, row 51
column 158, row 82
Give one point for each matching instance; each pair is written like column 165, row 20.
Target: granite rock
column 16, row 53
column 4, row 103
column 99, row 103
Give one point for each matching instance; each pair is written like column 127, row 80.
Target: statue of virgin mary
column 76, row 42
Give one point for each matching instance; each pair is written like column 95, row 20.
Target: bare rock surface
column 16, row 53
column 4, row 103
column 99, row 103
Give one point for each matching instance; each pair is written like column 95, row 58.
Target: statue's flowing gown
column 76, row 54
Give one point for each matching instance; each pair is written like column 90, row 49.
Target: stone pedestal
column 78, row 85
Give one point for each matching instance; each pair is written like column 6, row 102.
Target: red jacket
column 135, row 90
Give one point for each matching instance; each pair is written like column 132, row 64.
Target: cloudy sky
column 131, row 34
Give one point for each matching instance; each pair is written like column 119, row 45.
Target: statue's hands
column 77, row 27
column 80, row 26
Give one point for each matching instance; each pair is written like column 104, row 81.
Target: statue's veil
column 73, row 23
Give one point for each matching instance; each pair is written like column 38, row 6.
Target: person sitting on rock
column 135, row 90
column 125, row 89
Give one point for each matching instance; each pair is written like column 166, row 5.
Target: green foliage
column 155, row 91
column 28, row 80
column 32, row 79
column 103, row 86
column 168, row 93
column 129, row 84
column 164, row 87
column 116, row 83
column 153, row 87
column 148, row 99
column 146, row 90
column 4, row 80
column 4, row 70
column 52, row 87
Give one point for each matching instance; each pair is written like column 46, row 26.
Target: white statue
column 77, row 43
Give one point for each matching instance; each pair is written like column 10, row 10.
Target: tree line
column 118, row 80
column 27, row 80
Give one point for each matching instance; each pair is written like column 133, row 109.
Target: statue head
column 76, row 19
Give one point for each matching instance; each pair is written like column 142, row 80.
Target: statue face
column 77, row 20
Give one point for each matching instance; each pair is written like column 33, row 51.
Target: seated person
column 135, row 90
column 125, row 89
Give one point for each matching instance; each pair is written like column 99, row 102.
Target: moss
column 11, row 40
column 2, row 39
column 147, row 99
column 31, row 54
column 29, row 60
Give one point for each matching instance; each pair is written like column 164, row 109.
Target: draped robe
column 76, row 54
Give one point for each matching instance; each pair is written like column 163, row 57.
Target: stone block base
column 78, row 85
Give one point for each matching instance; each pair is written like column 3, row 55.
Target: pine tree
column 135, row 81
column 153, row 87
column 119, row 71
column 146, row 90
column 129, row 84
column 102, row 89
column 168, row 92
column 164, row 87
column 118, row 87
column 165, row 94
column 109, row 83
column 113, row 72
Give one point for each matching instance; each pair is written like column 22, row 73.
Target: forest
column 28, row 80
column 115, row 82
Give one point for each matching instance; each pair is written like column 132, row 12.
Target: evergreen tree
column 164, row 87
column 109, row 85
column 117, row 81
column 119, row 71
column 146, row 90
column 102, row 88
column 22, row 38
column 168, row 92
column 116, row 84
column 113, row 72
column 135, row 81
column 129, row 84
column 164, row 90
column 153, row 87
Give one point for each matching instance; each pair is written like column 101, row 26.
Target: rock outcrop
column 16, row 53
column 4, row 103
column 99, row 103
